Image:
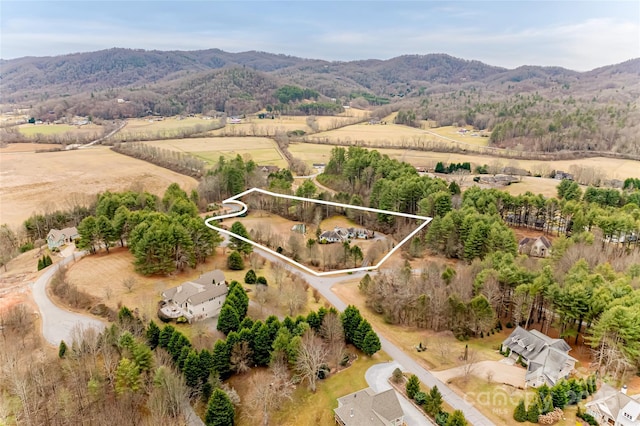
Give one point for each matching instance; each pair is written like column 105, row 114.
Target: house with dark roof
column 57, row 238
column 611, row 406
column 538, row 247
column 367, row 408
column 547, row 359
column 196, row 300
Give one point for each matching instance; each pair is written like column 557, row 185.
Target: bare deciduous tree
column 294, row 294
column 241, row 357
column 129, row 283
column 312, row 353
column 333, row 334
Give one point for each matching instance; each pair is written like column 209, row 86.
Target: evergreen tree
column 127, row 377
column 237, row 244
column 351, row 319
column 153, row 335
column 520, row 413
column 62, row 349
column 533, row 413
column 40, row 264
column 559, row 395
column 228, row 320
column 363, row 328
column 220, row 410
column 250, row 277
column 191, row 369
column 412, row 386
column 371, row 343
column 206, row 364
column 235, row 261
column 184, row 353
column 440, row 168
column 48, row 261
column 262, row 345
column 165, row 336
column 221, row 359
column 142, row 356
column 457, row 419
column 434, row 403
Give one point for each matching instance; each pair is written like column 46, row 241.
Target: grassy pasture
column 451, row 132
column 260, row 150
column 59, row 129
column 153, row 125
column 31, row 182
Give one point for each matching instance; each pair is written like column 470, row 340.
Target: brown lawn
column 27, row 147
column 260, row 150
column 43, row 182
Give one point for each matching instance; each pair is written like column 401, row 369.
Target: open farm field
column 60, row 129
column 27, row 147
column 31, row 182
column 611, row 168
column 153, row 125
column 288, row 123
column 377, row 133
column 451, row 132
column 260, row 150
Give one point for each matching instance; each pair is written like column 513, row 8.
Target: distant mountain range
column 32, row 78
column 530, row 107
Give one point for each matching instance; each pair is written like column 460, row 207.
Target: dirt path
column 500, row 373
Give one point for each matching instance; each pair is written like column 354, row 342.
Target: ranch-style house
column 58, row 238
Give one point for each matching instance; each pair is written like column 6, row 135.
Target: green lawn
column 308, row 409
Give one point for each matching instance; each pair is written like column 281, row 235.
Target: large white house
column 547, row 359
column 198, row 299
column 611, row 406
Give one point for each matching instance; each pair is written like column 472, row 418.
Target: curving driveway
column 59, row 324
column 377, row 379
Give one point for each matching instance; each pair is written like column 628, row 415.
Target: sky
column 579, row 35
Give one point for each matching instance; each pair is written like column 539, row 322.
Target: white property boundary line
column 234, row 200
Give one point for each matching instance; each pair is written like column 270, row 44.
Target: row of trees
column 431, row 403
column 547, row 399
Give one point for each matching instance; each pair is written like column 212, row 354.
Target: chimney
column 624, row 389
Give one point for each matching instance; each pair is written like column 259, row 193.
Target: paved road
column 377, row 378
column 324, row 284
column 58, row 324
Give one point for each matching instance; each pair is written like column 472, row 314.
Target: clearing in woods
column 31, row 182
column 260, row 150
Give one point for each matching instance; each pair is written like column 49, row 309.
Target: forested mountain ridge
column 531, row 108
column 32, row 78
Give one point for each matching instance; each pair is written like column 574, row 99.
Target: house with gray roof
column 367, row 408
column 538, row 247
column 547, row 359
column 57, row 238
column 196, row 300
column 611, row 406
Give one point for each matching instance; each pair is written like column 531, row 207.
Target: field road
column 377, row 378
column 58, row 324
column 324, row 284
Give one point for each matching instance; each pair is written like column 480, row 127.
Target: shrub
column 509, row 325
column 397, row 376
column 26, row 247
column 442, row 418
column 420, row 398
column 261, row 280
column 250, row 277
column 235, row 262
column 520, row 413
column 62, row 349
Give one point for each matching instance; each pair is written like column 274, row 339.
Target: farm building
column 196, row 300
column 58, row 238
column 547, row 359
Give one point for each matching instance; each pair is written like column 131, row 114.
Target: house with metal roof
column 367, row 408
column 547, row 359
